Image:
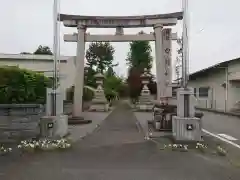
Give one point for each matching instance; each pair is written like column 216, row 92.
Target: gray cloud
column 28, row 23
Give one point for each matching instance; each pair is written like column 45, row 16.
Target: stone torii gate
column 162, row 38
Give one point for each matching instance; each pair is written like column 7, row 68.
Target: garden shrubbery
column 22, row 86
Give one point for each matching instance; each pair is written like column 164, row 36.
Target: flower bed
column 44, row 145
column 4, row 150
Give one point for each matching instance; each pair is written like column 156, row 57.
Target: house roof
column 205, row 71
column 31, row 57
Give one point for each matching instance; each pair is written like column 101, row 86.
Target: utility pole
column 185, row 56
column 56, row 7
column 185, row 44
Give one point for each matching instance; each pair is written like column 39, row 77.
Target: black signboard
column 189, row 127
column 50, row 125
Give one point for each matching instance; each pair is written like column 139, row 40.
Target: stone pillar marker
column 160, row 62
column 79, row 77
column 99, row 102
column 145, row 99
column 167, row 49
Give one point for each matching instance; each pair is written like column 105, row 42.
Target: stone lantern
column 145, row 99
column 99, row 80
column 99, row 102
column 145, row 77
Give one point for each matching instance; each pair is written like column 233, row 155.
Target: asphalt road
column 117, row 151
column 222, row 124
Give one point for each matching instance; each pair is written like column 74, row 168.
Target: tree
column 100, row 56
column 112, row 86
column 138, row 58
column 110, row 72
column 134, row 82
column 43, row 50
column 89, row 74
column 139, row 55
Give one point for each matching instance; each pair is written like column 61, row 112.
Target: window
column 174, row 91
column 195, row 92
column 203, row 92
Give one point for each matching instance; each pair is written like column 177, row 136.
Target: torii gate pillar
column 79, row 75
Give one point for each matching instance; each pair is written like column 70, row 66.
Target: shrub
column 110, row 94
column 22, row 86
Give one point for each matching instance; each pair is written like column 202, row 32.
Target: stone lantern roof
column 99, row 76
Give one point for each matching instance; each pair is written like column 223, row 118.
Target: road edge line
column 221, row 138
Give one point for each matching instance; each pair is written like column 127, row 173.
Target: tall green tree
column 138, row 58
column 139, row 55
column 110, row 72
column 100, row 55
column 43, row 50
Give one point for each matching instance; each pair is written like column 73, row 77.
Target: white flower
column 31, row 145
column 68, row 145
column 19, row 146
column 10, row 149
column 146, row 138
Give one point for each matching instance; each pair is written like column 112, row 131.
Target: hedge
column 22, row 86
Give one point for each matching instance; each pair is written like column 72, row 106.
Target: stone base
column 61, row 128
column 74, row 120
column 144, row 107
column 54, row 126
column 99, row 107
column 187, row 129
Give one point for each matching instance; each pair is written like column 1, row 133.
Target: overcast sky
column 214, row 26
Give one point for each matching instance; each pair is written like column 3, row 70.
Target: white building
column 43, row 64
column 218, row 87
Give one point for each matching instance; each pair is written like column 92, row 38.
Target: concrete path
column 117, row 151
column 77, row 132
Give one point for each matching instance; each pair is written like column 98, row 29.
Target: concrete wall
column 234, row 86
column 43, row 63
column 217, row 92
